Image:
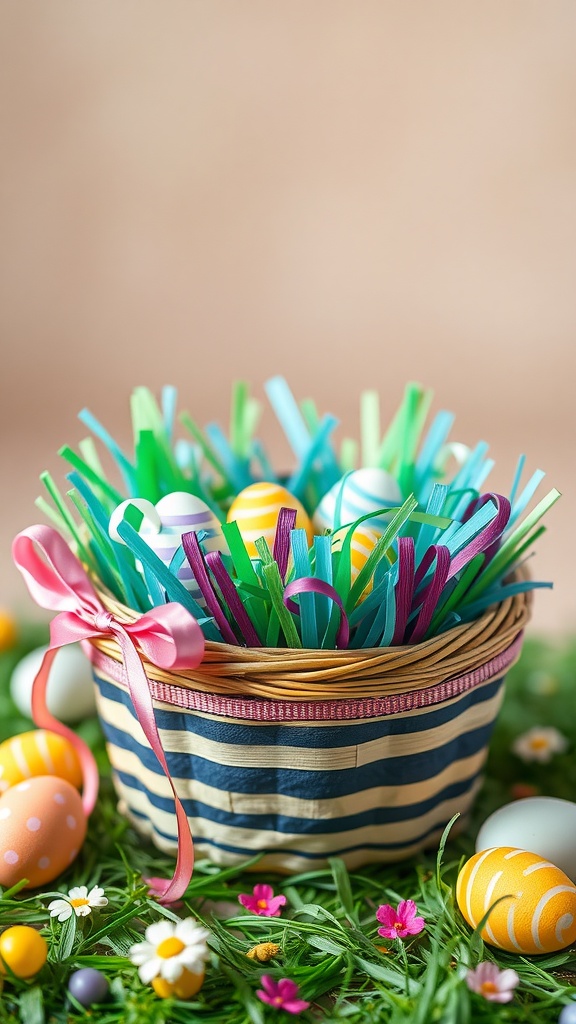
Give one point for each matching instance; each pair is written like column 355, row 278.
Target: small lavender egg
column 88, row 986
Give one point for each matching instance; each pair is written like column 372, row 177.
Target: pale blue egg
column 362, row 491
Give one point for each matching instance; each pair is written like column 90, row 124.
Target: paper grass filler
column 298, row 650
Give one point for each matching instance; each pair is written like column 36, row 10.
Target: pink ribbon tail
column 168, row 636
column 44, row 720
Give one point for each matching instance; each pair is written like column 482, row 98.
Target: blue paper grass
column 444, row 555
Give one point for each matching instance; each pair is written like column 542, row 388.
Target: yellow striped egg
column 539, row 912
column 256, row 510
column 38, row 753
column 362, row 544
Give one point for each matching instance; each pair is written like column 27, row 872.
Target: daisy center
column 170, row 947
column 489, row 988
column 538, row 743
column 262, row 904
column 80, row 903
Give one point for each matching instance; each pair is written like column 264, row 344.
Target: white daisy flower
column 540, row 744
column 169, row 949
column 79, row 901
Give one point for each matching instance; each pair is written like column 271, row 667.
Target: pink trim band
column 339, row 710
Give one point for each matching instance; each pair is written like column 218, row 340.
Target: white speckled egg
column 42, row 828
column 38, row 752
column 256, row 510
column 544, row 824
column 362, row 491
column 70, row 694
column 538, row 913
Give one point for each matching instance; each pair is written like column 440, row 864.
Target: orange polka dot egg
column 38, row 752
column 256, row 511
column 538, row 913
column 42, row 828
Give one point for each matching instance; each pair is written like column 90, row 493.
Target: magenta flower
column 489, row 981
column 262, row 901
column 401, row 922
column 281, row 994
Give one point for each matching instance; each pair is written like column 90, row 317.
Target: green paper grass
column 327, row 932
column 214, row 467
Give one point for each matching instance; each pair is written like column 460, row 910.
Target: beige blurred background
column 351, row 194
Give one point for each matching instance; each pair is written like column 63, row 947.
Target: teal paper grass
column 488, row 537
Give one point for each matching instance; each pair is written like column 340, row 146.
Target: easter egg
column 42, row 827
column 256, row 510
column 188, row 985
column 23, row 950
column 545, row 825
column 359, row 492
column 180, row 513
column 88, row 986
column 568, row 1014
column 8, row 631
column 539, row 912
column 362, row 544
column 163, row 525
column 150, row 519
column 38, row 752
column 70, row 694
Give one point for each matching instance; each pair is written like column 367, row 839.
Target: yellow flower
column 169, row 950
column 263, row 952
column 79, row 901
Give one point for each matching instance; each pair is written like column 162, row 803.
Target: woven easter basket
column 299, row 755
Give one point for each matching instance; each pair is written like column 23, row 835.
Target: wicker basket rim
column 308, row 674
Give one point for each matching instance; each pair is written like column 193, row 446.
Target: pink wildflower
column 401, row 922
column 489, row 981
column 262, row 901
column 281, row 994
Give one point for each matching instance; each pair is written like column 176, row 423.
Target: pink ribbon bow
column 168, row 636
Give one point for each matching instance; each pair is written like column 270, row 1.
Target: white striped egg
column 538, row 911
column 362, row 491
column 163, row 525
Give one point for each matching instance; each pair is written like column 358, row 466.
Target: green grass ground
column 328, row 931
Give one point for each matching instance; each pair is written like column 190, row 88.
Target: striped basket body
column 364, row 777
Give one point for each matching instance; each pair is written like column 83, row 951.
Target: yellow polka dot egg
column 38, row 752
column 538, row 913
column 256, row 510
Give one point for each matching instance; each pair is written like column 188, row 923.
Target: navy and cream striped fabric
column 376, row 789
